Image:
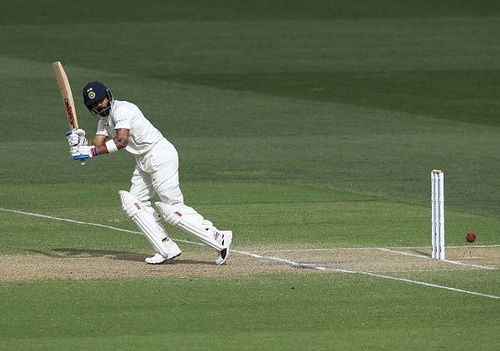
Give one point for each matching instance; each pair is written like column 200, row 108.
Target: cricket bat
column 67, row 95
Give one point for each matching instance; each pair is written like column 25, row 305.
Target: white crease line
column 301, row 265
column 86, row 223
column 472, row 246
column 277, row 259
column 319, row 249
column 426, row 284
column 402, row 253
column 371, row 248
column 68, row 220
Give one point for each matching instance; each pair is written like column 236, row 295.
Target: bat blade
column 67, row 95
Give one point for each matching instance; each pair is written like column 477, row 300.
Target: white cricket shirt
column 142, row 136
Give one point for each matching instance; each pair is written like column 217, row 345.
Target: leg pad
column 192, row 223
column 144, row 218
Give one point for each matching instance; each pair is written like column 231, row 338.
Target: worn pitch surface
column 198, row 261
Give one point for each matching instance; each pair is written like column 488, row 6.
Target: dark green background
column 298, row 123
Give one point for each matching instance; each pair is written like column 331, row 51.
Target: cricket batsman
column 121, row 125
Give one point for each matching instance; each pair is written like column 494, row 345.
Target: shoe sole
column 220, row 260
column 166, row 259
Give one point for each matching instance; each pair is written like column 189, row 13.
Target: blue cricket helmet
column 93, row 92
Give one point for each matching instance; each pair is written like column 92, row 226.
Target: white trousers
column 157, row 171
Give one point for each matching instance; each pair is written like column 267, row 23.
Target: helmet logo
column 91, row 93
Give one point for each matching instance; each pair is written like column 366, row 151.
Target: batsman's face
column 101, row 105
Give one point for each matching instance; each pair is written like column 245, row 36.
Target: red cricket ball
column 471, row 237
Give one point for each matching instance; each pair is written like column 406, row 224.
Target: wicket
column 437, row 201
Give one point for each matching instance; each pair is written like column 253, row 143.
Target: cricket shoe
column 227, row 237
column 158, row 259
column 173, row 252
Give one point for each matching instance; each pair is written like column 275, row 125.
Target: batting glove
column 81, row 153
column 76, row 137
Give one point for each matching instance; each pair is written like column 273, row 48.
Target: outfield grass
column 298, row 124
column 266, row 312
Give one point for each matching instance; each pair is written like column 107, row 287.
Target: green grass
column 297, row 123
column 255, row 313
column 265, row 213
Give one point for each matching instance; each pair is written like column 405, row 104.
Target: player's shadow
column 84, row 253
column 114, row 255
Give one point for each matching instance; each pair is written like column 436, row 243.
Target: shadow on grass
column 115, row 255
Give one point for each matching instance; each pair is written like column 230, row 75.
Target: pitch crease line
column 428, row 284
column 277, row 259
column 402, row 253
column 85, row 223
column 300, row 265
column 371, row 248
